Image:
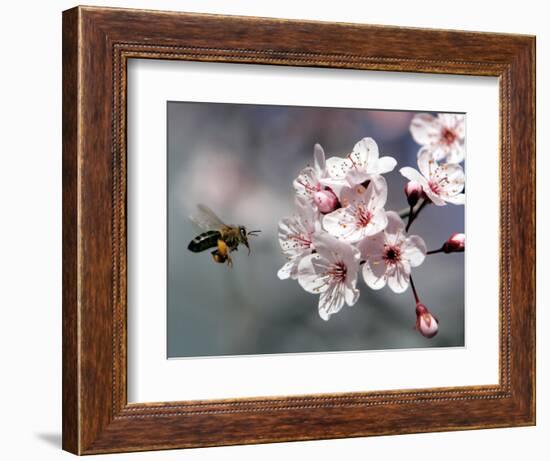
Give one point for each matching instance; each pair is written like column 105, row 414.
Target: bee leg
column 223, row 251
column 217, row 257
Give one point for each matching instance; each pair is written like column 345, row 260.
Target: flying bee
column 222, row 237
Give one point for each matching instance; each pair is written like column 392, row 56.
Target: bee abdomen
column 204, row 241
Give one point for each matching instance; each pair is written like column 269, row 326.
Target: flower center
column 439, row 180
column 448, row 136
column 363, row 217
column 392, row 254
column 337, row 272
column 434, row 186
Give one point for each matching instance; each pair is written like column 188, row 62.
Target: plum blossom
column 390, row 255
column 414, row 193
column 362, row 213
column 455, row 243
column 363, row 162
column 326, row 201
column 308, row 183
column 426, row 323
column 341, row 225
column 441, row 183
column 296, row 236
column 332, row 273
column 443, row 135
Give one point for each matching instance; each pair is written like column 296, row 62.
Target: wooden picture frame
column 97, row 43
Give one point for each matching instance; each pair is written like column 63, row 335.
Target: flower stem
column 406, row 212
column 432, row 252
column 416, row 298
column 414, row 215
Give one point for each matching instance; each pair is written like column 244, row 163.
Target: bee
column 222, row 237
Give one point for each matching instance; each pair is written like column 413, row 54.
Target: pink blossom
column 296, row 236
column 414, row 192
column 441, row 183
column 308, row 181
column 426, row 323
column 363, row 162
column 455, row 243
column 362, row 213
column 332, row 273
column 390, row 255
column 326, row 201
column 443, row 135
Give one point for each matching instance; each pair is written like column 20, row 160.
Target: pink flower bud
column 455, row 243
column 413, row 191
column 326, row 200
column 426, row 323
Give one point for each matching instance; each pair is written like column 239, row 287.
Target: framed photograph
column 280, row 230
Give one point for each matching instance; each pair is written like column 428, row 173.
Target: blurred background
column 240, row 160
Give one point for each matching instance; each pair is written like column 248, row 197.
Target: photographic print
column 313, row 229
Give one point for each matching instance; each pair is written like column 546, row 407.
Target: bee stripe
column 204, row 241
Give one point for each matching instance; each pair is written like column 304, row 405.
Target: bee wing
column 206, row 219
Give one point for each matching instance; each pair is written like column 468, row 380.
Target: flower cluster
column 341, row 230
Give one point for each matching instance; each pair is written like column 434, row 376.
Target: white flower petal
column 460, row 125
column 365, row 154
column 311, row 274
column 293, row 237
column 449, row 121
column 425, row 129
column 309, row 216
column 334, row 250
column 356, row 177
column 307, row 183
column 319, row 159
column 385, row 165
column 459, row 199
column 395, row 228
column 414, row 250
column 331, row 301
column 288, row 269
column 374, row 273
column 413, row 175
column 350, row 256
column 436, row 199
column 437, row 152
column 351, row 295
column 372, row 246
column 337, row 167
column 376, row 194
column 457, row 153
column 398, row 279
column 341, row 224
column 426, row 163
column 335, row 176
column 378, row 222
column 455, row 179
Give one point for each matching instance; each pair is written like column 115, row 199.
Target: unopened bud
column 326, row 200
column 455, row 243
column 426, row 323
column 414, row 192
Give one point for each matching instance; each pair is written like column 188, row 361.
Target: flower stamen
column 392, row 254
column 448, row 136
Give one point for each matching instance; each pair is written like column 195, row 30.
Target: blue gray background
column 240, row 160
